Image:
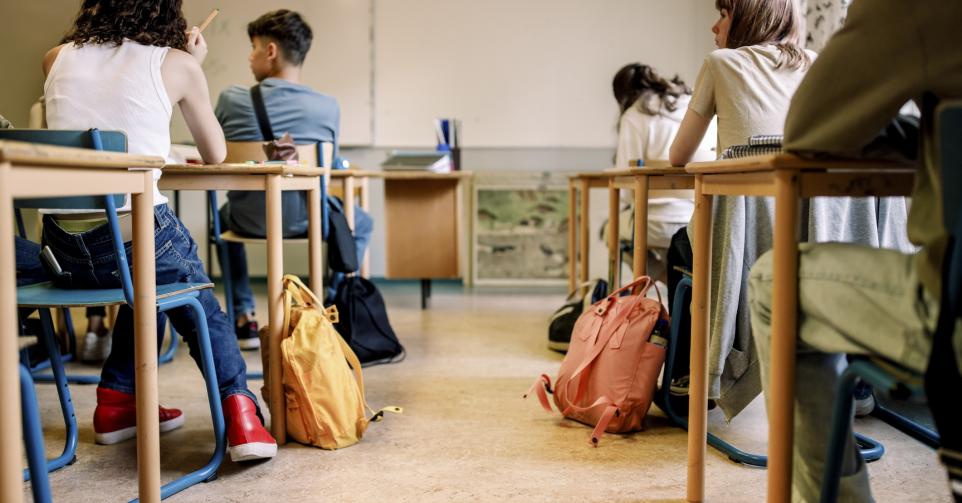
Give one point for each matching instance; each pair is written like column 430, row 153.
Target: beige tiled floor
column 465, row 435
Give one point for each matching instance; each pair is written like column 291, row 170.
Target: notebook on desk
column 428, row 160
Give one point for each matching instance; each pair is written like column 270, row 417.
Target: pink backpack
column 608, row 378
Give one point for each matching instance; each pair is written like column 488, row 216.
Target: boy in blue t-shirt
column 279, row 42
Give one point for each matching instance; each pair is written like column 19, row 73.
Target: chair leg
column 907, row 426
column 33, row 439
column 871, row 449
column 209, row 471
column 69, row 455
column 168, row 355
column 54, row 348
column 841, row 426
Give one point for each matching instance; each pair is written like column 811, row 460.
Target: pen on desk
column 210, row 17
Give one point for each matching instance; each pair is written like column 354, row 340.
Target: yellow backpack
column 323, row 385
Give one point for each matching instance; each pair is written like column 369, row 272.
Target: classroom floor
column 465, row 435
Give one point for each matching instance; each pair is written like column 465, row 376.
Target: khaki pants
column 852, row 299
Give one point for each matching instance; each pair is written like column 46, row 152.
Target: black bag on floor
column 562, row 321
column 363, row 322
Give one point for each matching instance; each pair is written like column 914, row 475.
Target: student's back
column 112, row 88
column 748, row 89
column 309, row 116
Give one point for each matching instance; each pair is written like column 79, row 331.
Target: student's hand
column 196, row 45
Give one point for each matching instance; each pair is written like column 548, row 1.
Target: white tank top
column 113, row 89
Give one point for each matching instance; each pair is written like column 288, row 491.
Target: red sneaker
column 247, row 439
column 115, row 418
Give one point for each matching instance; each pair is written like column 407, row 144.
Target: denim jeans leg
column 28, row 266
column 240, row 279
column 363, row 227
column 118, row 370
column 177, row 261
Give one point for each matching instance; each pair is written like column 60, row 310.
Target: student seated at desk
column 279, row 43
column 652, row 108
column 748, row 82
column 122, row 67
column 855, row 299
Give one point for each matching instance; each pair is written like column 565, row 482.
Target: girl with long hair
column 123, row 66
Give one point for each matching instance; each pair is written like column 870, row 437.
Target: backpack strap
column 541, row 386
column 263, row 122
column 611, row 412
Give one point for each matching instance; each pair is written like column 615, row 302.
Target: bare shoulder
column 180, row 61
column 50, row 57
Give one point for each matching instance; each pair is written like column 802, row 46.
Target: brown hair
column 636, row 82
column 777, row 22
column 150, row 22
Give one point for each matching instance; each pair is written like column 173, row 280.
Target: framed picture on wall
column 520, row 233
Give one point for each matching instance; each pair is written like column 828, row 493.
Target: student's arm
column 187, row 86
column 869, row 69
column 701, row 110
column 689, row 138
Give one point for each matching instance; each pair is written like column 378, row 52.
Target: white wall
column 530, row 78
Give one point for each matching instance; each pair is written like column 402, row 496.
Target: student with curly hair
column 123, row 66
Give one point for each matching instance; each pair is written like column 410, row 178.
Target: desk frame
column 78, row 172
column 273, row 180
column 788, row 178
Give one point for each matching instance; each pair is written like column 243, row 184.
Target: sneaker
column 247, row 439
column 96, row 348
column 679, row 388
column 247, row 337
column 864, row 397
column 115, row 418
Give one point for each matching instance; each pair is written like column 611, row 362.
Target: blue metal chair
column 33, row 439
column 169, row 296
column 871, row 449
column 219, row 237
column 902, row 382
column 113, row 141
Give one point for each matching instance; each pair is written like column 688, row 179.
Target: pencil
column 210, row 17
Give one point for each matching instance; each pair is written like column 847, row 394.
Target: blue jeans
column 88, row 258
column 237, row 255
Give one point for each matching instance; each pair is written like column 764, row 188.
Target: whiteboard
column 338, row 63
column 523, row 73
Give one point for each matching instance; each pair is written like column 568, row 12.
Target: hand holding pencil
column 196, row 45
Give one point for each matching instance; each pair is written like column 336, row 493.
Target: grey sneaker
column 96, row 347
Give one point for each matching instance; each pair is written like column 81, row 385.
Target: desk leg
column 11, row 480
column 614, row 238
column 145, row 343
column 698, row 390
column 275, row 307
column 639, row 266
column 572, row 236
column 366, row 206
column 315, row 259
column 784, row 332
column 583, row 230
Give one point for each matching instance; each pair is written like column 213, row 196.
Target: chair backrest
column 949, row 132
column 243, row 151
column 111, row 141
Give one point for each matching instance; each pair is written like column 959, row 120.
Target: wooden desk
column 354, row 183
column 642, row 180
column 786, row 177
column 272, row 179
column 422, row 215
column 31, row 170
column 578, row 235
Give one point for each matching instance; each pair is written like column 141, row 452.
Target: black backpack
column 562, row 321
column 363, row 322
